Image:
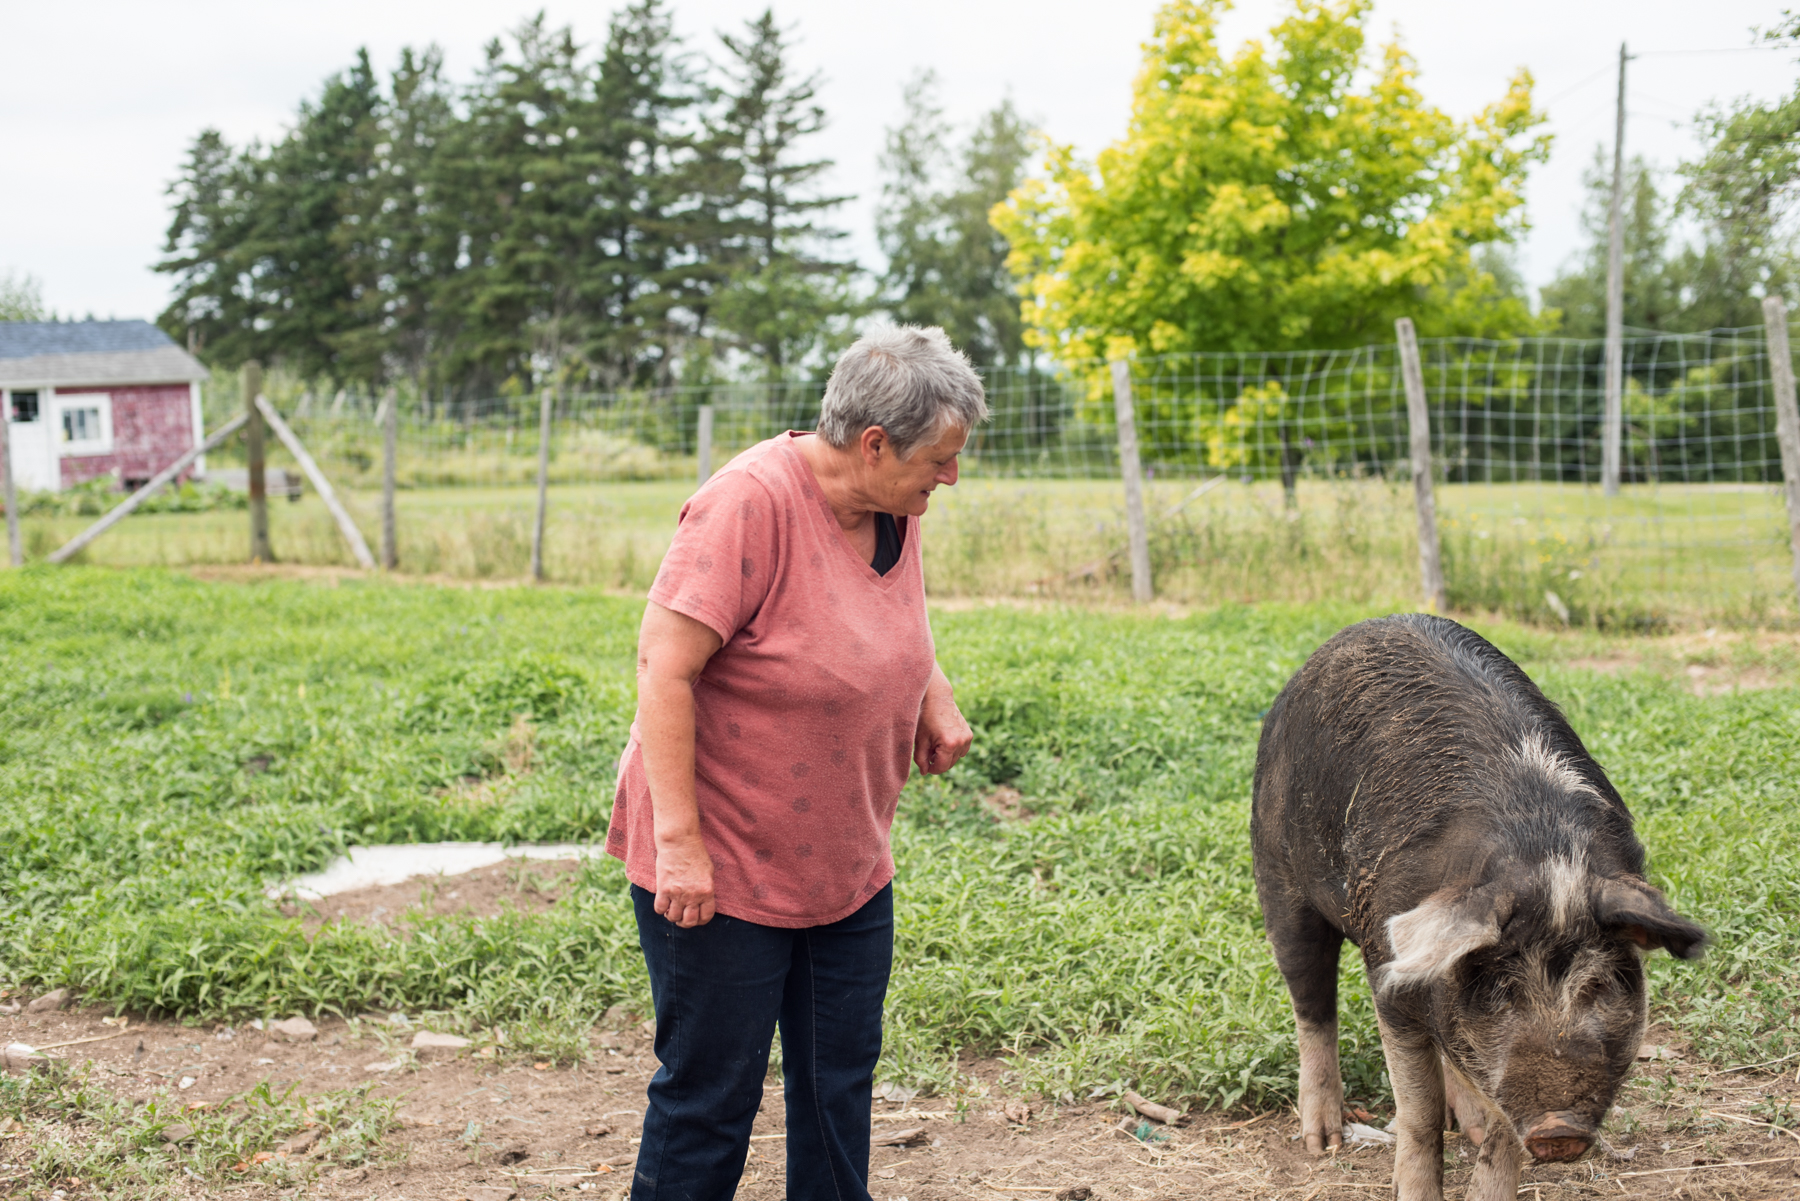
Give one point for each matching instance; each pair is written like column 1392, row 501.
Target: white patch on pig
column 1567, row 880
column 1429, row 939
column 1534, row 754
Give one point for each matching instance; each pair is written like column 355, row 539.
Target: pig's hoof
column 1475, row 1134
column 1318, row 1144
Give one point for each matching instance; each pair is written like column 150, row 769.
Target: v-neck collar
column 809, row 486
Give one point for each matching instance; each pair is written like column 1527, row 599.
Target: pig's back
column 1406, row 755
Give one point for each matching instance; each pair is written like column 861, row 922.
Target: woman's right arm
column 672, row 651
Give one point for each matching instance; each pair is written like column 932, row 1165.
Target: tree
column 22, row 298
column 1652, row 287
column 781, row 298
column 1745, row 191
column 257, row 243
column 946, row 261
column 1265, row 202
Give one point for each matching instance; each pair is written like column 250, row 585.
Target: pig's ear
column 1641, row 914
column 1428, row 940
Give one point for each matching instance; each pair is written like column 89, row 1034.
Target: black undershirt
column 887, row 543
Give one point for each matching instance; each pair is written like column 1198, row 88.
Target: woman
column 786, row 684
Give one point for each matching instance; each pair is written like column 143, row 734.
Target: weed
column 1113, row 940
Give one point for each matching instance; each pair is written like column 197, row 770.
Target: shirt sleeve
column 719, row 567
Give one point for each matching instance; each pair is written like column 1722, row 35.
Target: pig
column 1416, row 794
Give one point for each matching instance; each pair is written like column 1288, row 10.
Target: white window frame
column 61, row 403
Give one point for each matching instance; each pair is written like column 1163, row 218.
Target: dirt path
column 486, row 1129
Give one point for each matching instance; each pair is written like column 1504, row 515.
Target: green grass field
column 173, row 747
column 1653, row 557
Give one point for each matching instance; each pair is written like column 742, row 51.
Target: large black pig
column 1417, row 795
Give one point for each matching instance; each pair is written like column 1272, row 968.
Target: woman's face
column 905, row 485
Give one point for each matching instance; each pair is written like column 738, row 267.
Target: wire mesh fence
column 1270, row 475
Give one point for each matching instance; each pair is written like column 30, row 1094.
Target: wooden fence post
column 335, row 507
column 15, row 548
column 705, row 443
column 537, row 533
column 1141, row 588
column 1787, row 417
column 390, row 432
column 1418, row 415
column 251, row 381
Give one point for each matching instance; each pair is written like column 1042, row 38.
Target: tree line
column 628, row 215
column 640, row 213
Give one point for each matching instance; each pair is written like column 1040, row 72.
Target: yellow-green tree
column 1265, row 201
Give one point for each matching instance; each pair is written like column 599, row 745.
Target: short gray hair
column 908, row 380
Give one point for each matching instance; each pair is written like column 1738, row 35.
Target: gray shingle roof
column 91, row 353
column 29, row 339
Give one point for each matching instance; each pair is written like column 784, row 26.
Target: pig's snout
column 1559, row 1137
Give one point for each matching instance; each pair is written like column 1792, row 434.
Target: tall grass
column 175, row 747
column 1537, row 553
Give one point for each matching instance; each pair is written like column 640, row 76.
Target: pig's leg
column 1497, row 1168
column 1466, row 1106
column 1418, row 1124
column 1306, row 951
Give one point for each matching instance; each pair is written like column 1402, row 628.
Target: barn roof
column 74, row 353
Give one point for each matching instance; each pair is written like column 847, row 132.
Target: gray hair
column 908, row 380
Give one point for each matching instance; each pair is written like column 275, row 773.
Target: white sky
column 97, row 116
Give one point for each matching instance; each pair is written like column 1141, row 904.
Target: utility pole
column 1612, row 423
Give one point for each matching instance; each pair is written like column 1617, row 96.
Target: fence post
column 705, row 442
column 14, row 548
column 537, row 532
column 1141, row 589
column 390, row 429
column 1418, row 418
column 251, row 382
column 1787, row 417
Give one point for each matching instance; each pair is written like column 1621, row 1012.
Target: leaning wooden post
column 537, row 531
column 1418, row 416
column 1141, row 589
column 11, row 493
column 705, row 443
column 1787, row 417
column 327, row 493
column 390, row 433
column 251, row 382
column 125, row 507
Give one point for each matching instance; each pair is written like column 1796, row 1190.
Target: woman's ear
column 874, row 443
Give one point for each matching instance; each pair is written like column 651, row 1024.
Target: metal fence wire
column 1515, row 437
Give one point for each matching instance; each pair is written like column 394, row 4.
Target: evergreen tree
column 265, row 267
column 781, row 299
column 1652, row 290
column 946, row 262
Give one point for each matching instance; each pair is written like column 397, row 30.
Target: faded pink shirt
column 804, row 719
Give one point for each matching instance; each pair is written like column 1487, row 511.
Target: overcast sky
column 97, row 115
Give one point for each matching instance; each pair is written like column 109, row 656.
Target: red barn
column 91, row 398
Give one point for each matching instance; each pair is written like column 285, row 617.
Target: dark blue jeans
column 720, row 989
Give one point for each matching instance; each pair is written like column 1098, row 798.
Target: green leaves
column 1265, row 202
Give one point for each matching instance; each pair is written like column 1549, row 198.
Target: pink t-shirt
column 804, row 719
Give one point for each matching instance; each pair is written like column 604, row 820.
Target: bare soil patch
column 534, row 1130
column 522, row 885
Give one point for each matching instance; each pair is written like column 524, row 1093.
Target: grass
column 1651, row 558
column 83, row 1136
column 174, row 747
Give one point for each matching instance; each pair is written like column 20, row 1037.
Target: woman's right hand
column 684, row 881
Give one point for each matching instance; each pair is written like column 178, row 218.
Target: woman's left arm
column 943, row 736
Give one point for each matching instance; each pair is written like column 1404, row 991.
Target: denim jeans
column 720, row 990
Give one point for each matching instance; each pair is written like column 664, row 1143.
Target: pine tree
column 781, row 299
column 946, row 262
